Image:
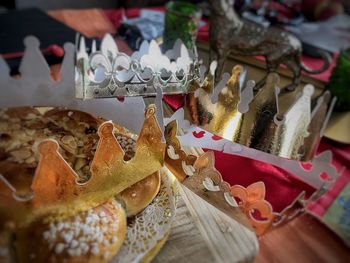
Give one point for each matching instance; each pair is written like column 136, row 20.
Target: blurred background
column 319, row 25
column 313, row 9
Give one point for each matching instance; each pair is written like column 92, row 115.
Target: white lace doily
column 151, row 225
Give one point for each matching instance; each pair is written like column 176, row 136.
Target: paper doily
column 149, row 227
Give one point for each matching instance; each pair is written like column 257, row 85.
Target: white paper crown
column 110, row 73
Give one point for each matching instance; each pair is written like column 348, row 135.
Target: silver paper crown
column 110, row 73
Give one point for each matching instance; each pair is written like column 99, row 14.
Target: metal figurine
column 229, row 34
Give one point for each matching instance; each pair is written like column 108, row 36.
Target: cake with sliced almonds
column 93, row 235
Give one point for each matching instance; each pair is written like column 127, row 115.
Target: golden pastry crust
column 92, row 236
column 21, row 130
column 138, row 196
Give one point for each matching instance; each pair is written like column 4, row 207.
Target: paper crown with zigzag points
column 279, row 122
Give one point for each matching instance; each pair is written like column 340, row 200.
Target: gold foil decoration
column 111, row 174
column 220, row 117
column 259, row 211
column 294, row 128
column 207, row 183
column 177, row 161
column 252, row 200
column 263, row 126
column 54, row 179
column 318, row 115
column 56, row 191
column 257, row 125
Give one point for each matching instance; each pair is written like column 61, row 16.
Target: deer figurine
column 231, row 35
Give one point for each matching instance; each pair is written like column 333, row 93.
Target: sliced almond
column 30, row 132
column 30, row 160
column 69, row 144
column 14, row 120
column 30, row 116
column 15, row 143
column 67, row 139
column 79, row 164
column 15, row 126
column 21, row 154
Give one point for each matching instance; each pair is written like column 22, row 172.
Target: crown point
column 238, row 69
column 151, row 110
column 105, row 129
column 279, row 119
column 31, row 41
column 308, row 90
column 109, row 47
column 327, row 97
column 213, row 66
column 47, row 147
column 68, row 47
column 273, row 78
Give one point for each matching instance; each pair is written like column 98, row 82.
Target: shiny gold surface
column 268, row 125
column 315, row 127
column 207, row 175
column 338, row 128
column 175, row 158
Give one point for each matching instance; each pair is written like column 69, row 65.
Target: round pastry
column 92, row 236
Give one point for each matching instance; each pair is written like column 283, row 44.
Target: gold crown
column 55, row 186
column 259, row 119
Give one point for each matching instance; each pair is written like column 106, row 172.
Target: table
column 304, row 239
